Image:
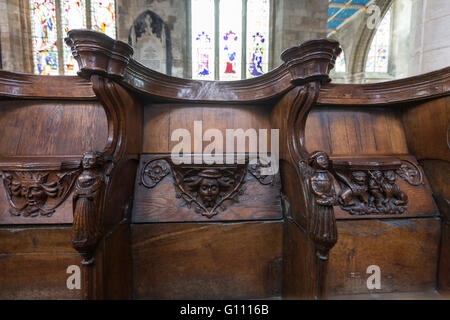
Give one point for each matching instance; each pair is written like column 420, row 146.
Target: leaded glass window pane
column 44, row 30
column 73, row 16
column 258, row 17
column 230, row 40
column 339, row 66
column 103, row 16
column 377, row 59
column 203, row 40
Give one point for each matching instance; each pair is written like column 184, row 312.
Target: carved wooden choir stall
column 88, row 180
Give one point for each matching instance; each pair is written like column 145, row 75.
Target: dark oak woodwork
column 87, row 180
column 166, row 192
column 206, row 261
column 406, row 250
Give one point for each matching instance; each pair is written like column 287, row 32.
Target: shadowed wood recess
column 355, row 180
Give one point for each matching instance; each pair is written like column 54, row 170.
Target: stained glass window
column 339, row 65
column 233, row 33
column 377, row 59
column 203, row 39
column 45, row 37
column 52, row 19
column 230, row 39
column 103, row 15
column 73, row 16
column 257, row 37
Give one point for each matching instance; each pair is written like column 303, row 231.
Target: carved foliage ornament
column 34, row 193
column 207, row 190
column 410, row 173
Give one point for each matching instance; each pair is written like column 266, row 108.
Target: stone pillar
column 296, row 22
column 15, row 35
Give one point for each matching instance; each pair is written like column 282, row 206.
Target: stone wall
column 157, row 31
column 420, row 41
column 296, row 22
column 15, row 36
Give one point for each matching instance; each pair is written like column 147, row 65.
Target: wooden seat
column 89, row 180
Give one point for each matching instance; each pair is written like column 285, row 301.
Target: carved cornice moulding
column 96, row 53
column 22, row 85
column 424, row 86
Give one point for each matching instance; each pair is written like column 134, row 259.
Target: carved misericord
column 366, row 192
column 206, row 189
column 87, row 205
column 209, row 190
column 33, row 193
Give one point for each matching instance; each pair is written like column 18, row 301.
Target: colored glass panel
column 340, row 63
column 258, row 17
column 44, row 37
column 203, row 24
column 378, row 56
column 73, row 16
column 103, row 17
column 230, row 41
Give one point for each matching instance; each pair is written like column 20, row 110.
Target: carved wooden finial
column 96, row 53
column 311, row 61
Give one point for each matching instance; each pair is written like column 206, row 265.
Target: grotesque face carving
column 34, row 190
column 390, row 176
column 209, row 190
column 359, row 177
column 34, row 195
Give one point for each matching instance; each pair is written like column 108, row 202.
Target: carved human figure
column 376, row 190
column 394, row 197
column 323, row 224
column 354, row 194
column 87, row 203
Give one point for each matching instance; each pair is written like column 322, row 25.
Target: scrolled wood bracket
column 309, row 65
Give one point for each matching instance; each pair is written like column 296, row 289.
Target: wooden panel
column 162, row 119
column 207, row 261
column 161, row 204
column 117, row 271
column 51, row 127
column 34, row 263
column 438, row 173
column 406, row 250
column 426, row 128
column 350, row 131
column 296, row 284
